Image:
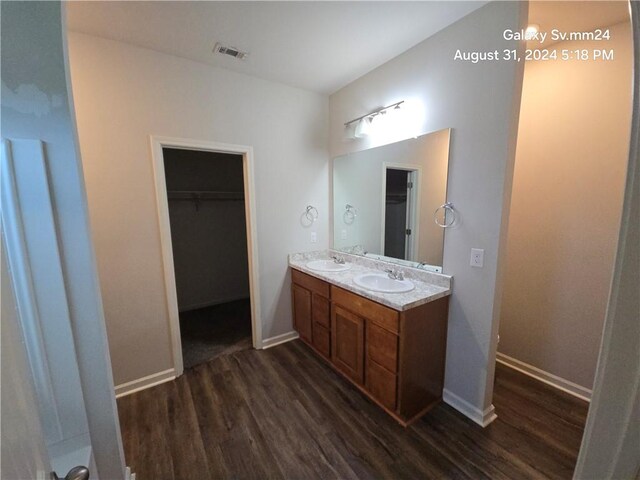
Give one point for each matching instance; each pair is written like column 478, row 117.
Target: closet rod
column 204, row 195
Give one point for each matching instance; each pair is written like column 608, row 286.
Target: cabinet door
column 347, row 352
column 301, row 298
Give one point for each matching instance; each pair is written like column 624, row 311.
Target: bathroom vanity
column 391, row 346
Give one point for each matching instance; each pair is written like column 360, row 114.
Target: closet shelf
column 199, row 195
column 396, row 198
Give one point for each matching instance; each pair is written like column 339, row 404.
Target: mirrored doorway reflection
column 399, row 211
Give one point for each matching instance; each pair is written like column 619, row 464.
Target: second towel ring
column 311, row 213
column 449, row 212
column 349, row 214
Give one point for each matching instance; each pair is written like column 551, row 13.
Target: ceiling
column 319, row 46
column 575, row 16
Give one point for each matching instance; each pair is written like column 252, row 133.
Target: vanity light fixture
column 363, row 127
column 364, row 122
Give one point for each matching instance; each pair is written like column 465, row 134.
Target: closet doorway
column 399, row 211
column 208, row 241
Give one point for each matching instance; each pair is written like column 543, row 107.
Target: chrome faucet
column 395, row 274
column 338, row 259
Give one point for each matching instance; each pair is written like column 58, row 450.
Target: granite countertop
column 428, row 286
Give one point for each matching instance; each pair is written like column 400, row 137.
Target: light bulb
column 363, row 128
column 531, row 31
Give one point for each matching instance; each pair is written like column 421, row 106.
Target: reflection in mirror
column 384, row 200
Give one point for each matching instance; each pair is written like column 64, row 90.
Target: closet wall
column 208, row 229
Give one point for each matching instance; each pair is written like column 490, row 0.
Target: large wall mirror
column 384, row 200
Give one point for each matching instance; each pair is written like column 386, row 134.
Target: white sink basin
column 327, row 266
column 380, row 282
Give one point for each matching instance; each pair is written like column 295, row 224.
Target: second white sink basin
column 380, row 282
column 327, row 266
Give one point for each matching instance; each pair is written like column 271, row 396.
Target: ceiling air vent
column 230, row 51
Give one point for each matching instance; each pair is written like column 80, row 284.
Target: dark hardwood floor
column 283, row 413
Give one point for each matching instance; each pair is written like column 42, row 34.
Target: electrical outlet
column 314, row 237
column 477, row 257
column 343, row 234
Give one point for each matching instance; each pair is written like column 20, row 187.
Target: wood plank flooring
column 283, row 414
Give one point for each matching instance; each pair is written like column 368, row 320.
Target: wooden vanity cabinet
column 394, row 357
column 311, row 311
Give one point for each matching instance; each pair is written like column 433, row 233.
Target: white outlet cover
column 314, row 237
column 343, row 234
column 477, row 257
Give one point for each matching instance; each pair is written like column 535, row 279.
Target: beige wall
column 479, row 102
column 568, row 185
column 123, row 94
column 611, row 440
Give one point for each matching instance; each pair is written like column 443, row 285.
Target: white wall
column 571, row 159
column 478, row 102
column 36, row 105
column 124, row 94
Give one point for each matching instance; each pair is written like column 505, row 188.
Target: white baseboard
column 145, row 382
column 550, row 379
column 128, row 475
column 482, row 418
column 217, row 301
column 278, row 339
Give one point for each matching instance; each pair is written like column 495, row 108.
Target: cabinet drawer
column 379, row 314
column 381, row 384
column 310, row 283
column 382, row 347
column 322, row 339
column 321, row 310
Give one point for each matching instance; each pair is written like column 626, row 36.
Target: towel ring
column 311, row 213
column 350, row 214
column 448, row 209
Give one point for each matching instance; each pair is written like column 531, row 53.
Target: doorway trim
column 157, row 144
column 414, row 201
